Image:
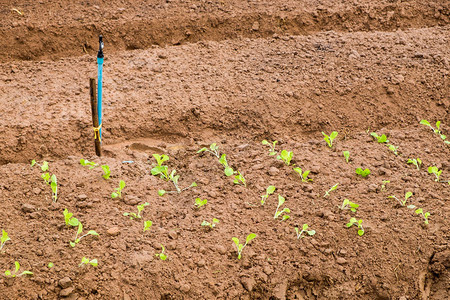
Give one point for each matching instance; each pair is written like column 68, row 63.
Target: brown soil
column 235, row 73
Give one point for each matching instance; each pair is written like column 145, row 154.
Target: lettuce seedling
column 402, row 202
column 133, row 215
column 269, row 191
column 86, row 163
column 271, row 145
column 240, row 179
column 147, row 225
column 417, row 162
column 3, row 239
column 223, row 161
column 347, row 204
column 346, row 155
column 199, row 202
column 304, row 175
column 380, row 139
column 286, row 157
column 393, row 149
column 435, row 170
column 334, row 187
column 329, row 138
column 352, row 222
column 174, row 178
column 106, row 171
column 79, row 231
column 285, row 210
column 46, row 177
column 161, row 255
column 304, row 229
column 54, row 186
column 69, row 219
column 419, row 211
column 383, row 185
column 241, row 247
column 50, row 265
column 118, row 192
column 86, row 261
column 8, row 273
column 213, row 149
column 363, row 173
column 162, row 171
column 212, row 224
column 437, row 130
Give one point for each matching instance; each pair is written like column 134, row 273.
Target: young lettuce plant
column 437, row 130
column 162, row 171
column 286, row 157
column 46, row 177
column 161, row 255
column 213, row 149
column 269, row 191
column 435, row 170
column 271, row 145
column 393, row 148
column 240, row 179
column 133, row 215
column 8, row 273
column 106, row 171
column 417, row 162
column 86, row 163
column 80, row 231
column 70, row 221
column 384, row 184
column 86, row 261
column 118, row 192
column 358, row 223
column 380, row 139
column 199, row 202
column 147, row 225
column 3, row 239
column 346, row 155
column 285, row 210
column 304, row 175
column 419, row 211
column 403, row 202
column 174, row 178
column 227, row 169
column 54, row 186
column 240, row 247
column 347, row 204
column 330, row 138
column 364, row 173
column 211, row 225
column 305, row 228
column 334, row 187
column 44, row 166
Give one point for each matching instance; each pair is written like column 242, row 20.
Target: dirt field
column 180, row 75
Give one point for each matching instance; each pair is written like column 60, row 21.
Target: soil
column 180, row 75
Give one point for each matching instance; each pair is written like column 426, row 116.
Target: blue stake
column 99, row 86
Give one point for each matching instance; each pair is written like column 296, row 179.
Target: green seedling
column 271, row 145
column 8, row 273
column 133, row 215
column 285, row 210
column 334, row 187
column 240, row 179
column 54, row 186
column 174, row 178
column 85, row 261
column 147, row 225
column 241, row 247
column 304, row 229
column 80, row 231
column 380, row 139
column 213, row 149
column 437, row 130
column 211, row 225
column 50, row 265
column 435, row 170
column 417, row 162
column 162, row 171
column 286, row 157
column 70, row 221
column 363, row 173
column 304, row 175
column 118, row 192
column 402, row 202
column 352, row 222
column 161, row 255
column 106, row 171
column 419, row 211
column 4, row 239
column 346, row 155
column 269, row 191
column 383, row 185
column 199, row 202
column 393, row 149
column 329, row 138
column 46, row 177
column 347, row 204
column 86, row 163
column 44, row 166
column 223, row 161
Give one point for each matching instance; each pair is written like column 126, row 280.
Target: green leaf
column 114, row 195
column 419, row 211
column 285, row 217
column 193, row 184
column 147, row 225
column 73, row 222
column 8, row 273
column 202, row 150
column 438, row 125
column 229, row 171
column 407, row 195
column 265, row 142
column 44, row 166
column 305, row 226
column 33, row 162
column 163, row 256
column 161, row 192
column 94, row 263
column 236, row 241
column 80, row 228
column 270, row 189
column 411, row 206
column 425, row 122
column 360, row 232
column 250, row 237
column 223, row 160
column 16, row 263
column 122, row 185
column 281, row 200
column 4, row 237
column 92, row 232
column 107, row 171
column 311, row 232
column 72, row 244
column 50, row 265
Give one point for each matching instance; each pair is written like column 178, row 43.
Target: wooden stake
column 93, row 94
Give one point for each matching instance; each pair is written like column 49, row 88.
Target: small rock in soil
column 65, row 282
column 185, row 288
column 37, row 190
column 221, row 249
column 82, row 197
column 113, row 231
column 201, row 263
column 248, row 283
column 66, row 292
column 273, row 171
column 28, row 208
column 372, row 188
column 341, row 260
